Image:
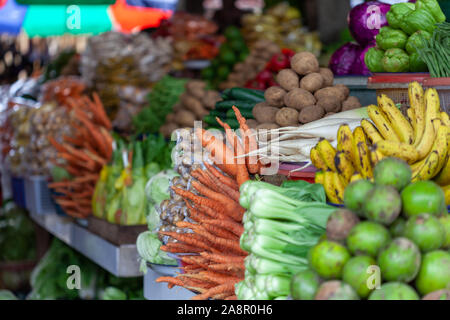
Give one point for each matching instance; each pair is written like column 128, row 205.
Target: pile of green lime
column 390, row 242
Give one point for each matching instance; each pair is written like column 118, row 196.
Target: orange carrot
column 201, row 201
column 231, row 226
column 231, row 207
column 190, row 239
column 233, row 297
column 242, row 173
column 222, row 258
column 101, row 111
column 222, row 155
column 197, row 175
column 227, row 267
column 218, row 277
column 56, row 145
column 172, row 280
column 228, row 245
column 220, row 232
column 226, row 287
column 176, row 247
column 250, row 143
column 233, row 194
column 226, row 180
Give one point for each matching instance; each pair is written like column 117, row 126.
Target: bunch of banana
column 422, row 139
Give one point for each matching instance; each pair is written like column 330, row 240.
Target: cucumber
column 250, row 95
column 241, row 105
column 233, row 123
column 210, row 120
column 217, row 113
column 247, row 114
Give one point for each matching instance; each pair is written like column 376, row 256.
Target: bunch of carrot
column 213, row 258
column 85, row 154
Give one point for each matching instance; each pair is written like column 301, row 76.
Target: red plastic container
column 306, row 174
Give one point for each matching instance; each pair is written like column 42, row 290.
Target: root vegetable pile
column 214, row 260
column 85, row 154
column 306, row 93
column 193, row 105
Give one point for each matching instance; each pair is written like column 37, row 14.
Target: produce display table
column 159, row 291
column 122, row 261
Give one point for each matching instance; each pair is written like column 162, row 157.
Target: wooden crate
column 114, row 233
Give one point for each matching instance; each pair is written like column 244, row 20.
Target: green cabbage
column 148, row 245
column 157, row 188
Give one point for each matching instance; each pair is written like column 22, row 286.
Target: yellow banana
column 339, row 187
column 398, row 149
column 417, row 102
column 361, row 150
column 412, row 119
column 317, row 160
column 446, row 121
column 319, row 177
column 327, row 153
column 355, row 177
column 443, row 177
column 328, row 185
column 440, row 147
column 370, row 130
column 343, row 165
column 428, row 168
column 433, row 105
column 401, row 125
column 426, row 143
column 375, row 156
column 345, row 142
column 385, row 128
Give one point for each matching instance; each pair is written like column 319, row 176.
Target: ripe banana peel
column 317, row 160
column 343, row 165
column 327, row 153
column 371, row 132
column 401, row 125
column 382, row 124
column 345, row 142
column 361, row 150
column 398, row 149
column 417, row 102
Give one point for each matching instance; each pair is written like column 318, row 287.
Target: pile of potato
column 306, row 93
column 256, row 61
column 195, row 103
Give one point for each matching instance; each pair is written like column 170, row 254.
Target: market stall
column 196, row 160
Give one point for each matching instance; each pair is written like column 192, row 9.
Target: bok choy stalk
column 279, row 230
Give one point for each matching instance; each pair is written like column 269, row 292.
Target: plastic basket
column 38, row 196
column 59, row 211
column 395, row 85
column 442, row 85
column 18, row 191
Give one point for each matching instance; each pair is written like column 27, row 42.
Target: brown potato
column 268, row 126
column 328, row 77
column 329, row 104
column 312, row 82
column 311, row 113
column 274, row 96
column 170, row 117
column 344, row 89
column 210, row 99
column 258, row 106
column 196, row 88
column 185, row 118
column 252, row 123
column 167, row 129
column 299, row 98
column 304, row 63
column 332, row 92
column 287, row 79
column 351, row 103
column 177, row 106
column 265, row 114
column 286, row 117
column 193, row 104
